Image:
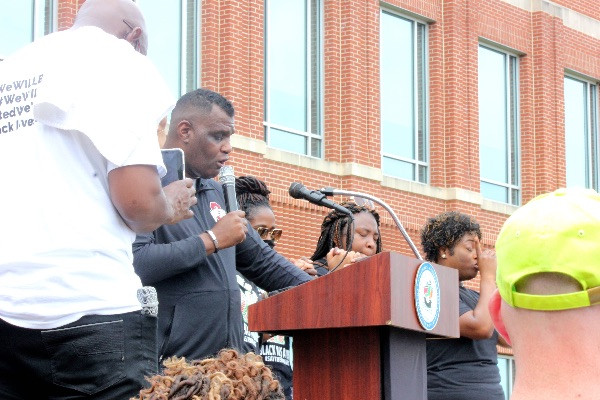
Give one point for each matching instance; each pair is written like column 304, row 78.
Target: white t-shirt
column 73, row 106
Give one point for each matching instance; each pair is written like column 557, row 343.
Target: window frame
column 592, row 130
column 416, row 163
column 186, row 77
column 40, row 25
column 189, row 78
column 49, row 26
column 510, row 374
column 309, row 135
column 513, row 124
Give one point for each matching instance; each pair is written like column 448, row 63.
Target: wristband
column 214, row 240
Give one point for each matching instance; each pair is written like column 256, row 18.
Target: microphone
column 299, row 191
column 227, row 179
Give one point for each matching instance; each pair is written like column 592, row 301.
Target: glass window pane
column 576, row 132
column 494, row 192
column 286, row 44
column 422, row 174
column 397, row 86
column 594, row 132
column 315, row 75
column 397, row 168
column 16, row 27
column 287, row 141
column 315, row 147
column 190, row 54
column 164, row 39
column 403, row 90
column 493, row 116
column 504, row 366
column 514, row 122
column 44, row 17
column 421, row 93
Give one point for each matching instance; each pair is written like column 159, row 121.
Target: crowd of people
column 72, row 264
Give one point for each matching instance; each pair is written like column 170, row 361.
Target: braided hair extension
column 336, row 225
column 251, row 194
column 230, row 376
column 444, row 231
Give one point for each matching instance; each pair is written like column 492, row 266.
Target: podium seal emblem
column 427, row 296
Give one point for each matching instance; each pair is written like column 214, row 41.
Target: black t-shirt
column 250, row 295
column 463, row 368
column 277, row 354
column 277, row 351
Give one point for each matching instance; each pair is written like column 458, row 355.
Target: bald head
column 120, row 18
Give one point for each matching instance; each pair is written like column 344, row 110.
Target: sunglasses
column 360, row 201
column 264, row 233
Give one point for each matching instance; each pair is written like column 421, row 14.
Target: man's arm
column 264, row 266
column 154, row 262
column 136, row 193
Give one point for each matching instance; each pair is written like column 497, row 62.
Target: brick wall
column 351, row 111
column 232, row 55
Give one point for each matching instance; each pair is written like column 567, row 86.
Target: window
column 499, row 125
column 403, row 78
column 25, row 21
column 581, row 133
column 293, row 76
column 506, row 365
column 173, row 41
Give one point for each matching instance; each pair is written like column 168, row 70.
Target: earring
column 443, row 256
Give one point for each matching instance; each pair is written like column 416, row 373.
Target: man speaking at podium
column 193, row 264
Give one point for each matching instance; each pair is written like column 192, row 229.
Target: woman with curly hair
column 337, row 230
column 464, row 368
column 230, row 376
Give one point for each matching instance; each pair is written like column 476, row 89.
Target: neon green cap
column 556, row 232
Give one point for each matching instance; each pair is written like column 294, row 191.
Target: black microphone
column 299, row 191
column 227, row 179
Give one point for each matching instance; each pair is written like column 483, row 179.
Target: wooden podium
column 356, row 331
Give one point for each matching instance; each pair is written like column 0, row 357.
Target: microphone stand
column 329, row 191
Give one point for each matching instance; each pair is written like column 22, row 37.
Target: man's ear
column 184, row 130
column 494, row 307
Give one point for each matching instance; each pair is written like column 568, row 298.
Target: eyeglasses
column 361, row 201
column 264, row 233
column 137, row 44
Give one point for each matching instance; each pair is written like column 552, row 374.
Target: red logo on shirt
column 216, row 211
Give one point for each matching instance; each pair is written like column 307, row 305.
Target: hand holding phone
column 173, row 159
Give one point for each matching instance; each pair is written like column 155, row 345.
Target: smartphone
column 173, row 159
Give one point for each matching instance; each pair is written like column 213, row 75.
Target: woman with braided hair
column 253, row 198
column 337, row 230
column 230, row 376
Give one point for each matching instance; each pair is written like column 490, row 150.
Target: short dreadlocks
column 230, row 376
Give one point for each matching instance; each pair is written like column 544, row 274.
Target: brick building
column 430, row 105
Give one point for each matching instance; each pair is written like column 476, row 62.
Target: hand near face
column 336, row 255
column 231, row 229
column 486, row 261
column 181, row 195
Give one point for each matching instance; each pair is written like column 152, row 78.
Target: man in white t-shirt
column 80, row 167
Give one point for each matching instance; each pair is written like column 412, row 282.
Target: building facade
column 430, row 105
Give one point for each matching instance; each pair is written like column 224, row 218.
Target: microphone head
column 295, row 189
column 226, row 175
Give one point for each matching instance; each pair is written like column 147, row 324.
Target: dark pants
column 96, row 357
